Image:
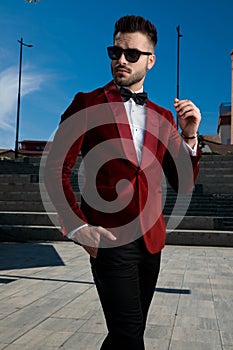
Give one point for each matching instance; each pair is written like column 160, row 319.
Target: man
column 132, row 141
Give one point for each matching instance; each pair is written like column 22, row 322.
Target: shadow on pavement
column 28, row 255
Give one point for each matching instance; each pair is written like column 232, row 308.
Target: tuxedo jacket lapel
column 122, row 123
column 151, row 133
column 150, row 137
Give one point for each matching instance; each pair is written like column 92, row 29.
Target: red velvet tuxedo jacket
column 119, row 194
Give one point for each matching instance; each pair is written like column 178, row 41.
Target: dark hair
column 131, row 24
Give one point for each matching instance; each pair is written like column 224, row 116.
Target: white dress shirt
column 137, row 120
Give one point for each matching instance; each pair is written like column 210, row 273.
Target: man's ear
column 151, row 61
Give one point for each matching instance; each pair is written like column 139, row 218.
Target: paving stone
column 96, row 324
column 227, row 336
column 158, row 332
column 196, row 335
column 3, row 346
column 9, row 334
column 84, row 341
column 226, row 325
column 163, row 309
column 161, row 319
column 28, row 347
column 55, row 324
column 190, row 345
column 82, row 307
column 56, row 307
column 156, row 344
column 164, row 297
column 196, row 322
column 42, row 338
column 197, row 308
column 200, row 294
column 224, row 311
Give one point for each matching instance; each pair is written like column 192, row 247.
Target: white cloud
column 30, row 82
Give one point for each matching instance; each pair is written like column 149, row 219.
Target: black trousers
column 125, row 279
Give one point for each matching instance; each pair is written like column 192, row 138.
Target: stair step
column 215, row 165
column 21, row 233
column 19, row 178
column 214, row 238
column 22, row 206
column 220, row 189
column 22, row 187
column 218, row 172
column 28, row 218
column 219, row 179
column 23, row 196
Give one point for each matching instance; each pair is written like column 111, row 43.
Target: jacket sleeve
column 62, row 157
column 181, row 169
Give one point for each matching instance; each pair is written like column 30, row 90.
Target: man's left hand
column 189, row 116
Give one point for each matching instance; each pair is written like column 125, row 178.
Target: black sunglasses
column 131, row 55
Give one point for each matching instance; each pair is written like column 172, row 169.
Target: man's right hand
column 89, row 238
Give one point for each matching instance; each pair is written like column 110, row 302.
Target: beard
column 134, row 78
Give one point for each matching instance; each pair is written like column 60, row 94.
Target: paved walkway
column 48, row 300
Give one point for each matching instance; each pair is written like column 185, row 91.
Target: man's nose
column 122, row 59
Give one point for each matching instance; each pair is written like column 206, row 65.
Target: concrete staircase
column 216, row 174
column 22, row 214
column 209, row 218
column 208, row 221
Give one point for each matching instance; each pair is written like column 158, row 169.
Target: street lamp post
column 178, row 65
column 19, row 94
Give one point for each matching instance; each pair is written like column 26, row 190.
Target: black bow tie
column 139, row 98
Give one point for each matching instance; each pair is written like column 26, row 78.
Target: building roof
column 214, row 146
column 5, row 150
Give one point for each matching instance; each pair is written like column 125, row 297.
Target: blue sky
column 69, row 41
